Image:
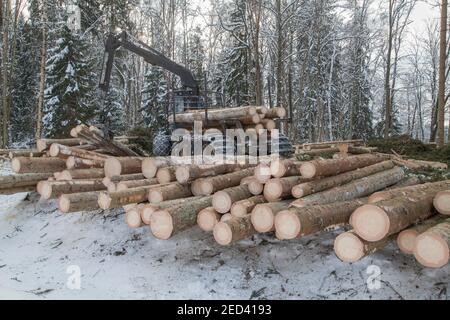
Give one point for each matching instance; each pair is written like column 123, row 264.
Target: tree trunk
column 223, row 200
column 387, row 78
column 233, row 230
column 131, row 184
column 263, row 215
column 356, row 189
column 311, row 187
column 214, row 184
column 407, row 238
column 374, row 222
column 442, row 69
column 53, row 189
column 76, row 202
column 432, row 247
column 9, row 191
column 299, row 222
column 43, row 65
column 185, row 174
column 168, row 222
column 244, row 207
column 169, row 192
column 324, row 168
column 349, row 247
column 63, row 152
column 123, row 165
column 214, row 115
column 37, row 165
column 126, row 177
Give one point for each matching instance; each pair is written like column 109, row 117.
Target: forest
column 349, row 69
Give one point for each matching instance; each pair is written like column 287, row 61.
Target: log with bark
column 76, row 202
column 22, row 180
column 25, row 153
column 311, row 187
column 80, row 174
column 349, row 247
column 44, row 144
column 150, row 208
column 442, row 202
column 224, row 199
column 214, row 115
column 111, row 146
column 419, row 165
column 37, row 165
column 124, row 165
column 356, row 189
column 244, row 207
column 79, row 163
column 124, row 185
column 263, row 215
column 298, row 222
column 53, row 189
column 208, row 218
column 374, row 222
column 170, row 191
column 119, row 199
column 188, row 173
column 277, row 112
column 232, row 230
column 404, row 191
column 329, row 144
column 281, row 188
column 407, row 238
column 213, row 184
column 316, row 152
column 126, row 177
column 63, row 152
column 168, row 222
column 285, row 168
column 324, row 168
column 14, row 190
column 432, row 247
column 150, row 166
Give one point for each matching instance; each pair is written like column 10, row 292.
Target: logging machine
column 189, row 98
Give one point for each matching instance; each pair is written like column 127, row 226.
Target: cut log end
column 54, row 150
column 273, row 190
column 146, row 214
column 262, row 173
column 133, row 218
column 431, row 250
column 262, row 218
column 287, row 225
column 149, row 168
column 104, row 201
column 207, row 219
column 308, row 170
column 223, row 234
column 182, row 174
column 238, row 210
column 348, row 247
column 15, row 165
column 277, row 168
column 442, row 202
column 113, row 167
column 206, row 187
column 161, row 224
column 255, row 187
column 222, row 202
column 298, row 192
column 70, row 163
column 64, row 176
column 46, row 190
column 64, row 204
column 406, row 240
column 164, row 175
column 155, row 196
column 226, row 217
column 370, row 222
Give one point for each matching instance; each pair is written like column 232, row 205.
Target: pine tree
column 69, row 85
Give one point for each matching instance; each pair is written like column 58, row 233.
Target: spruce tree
column 69, row 85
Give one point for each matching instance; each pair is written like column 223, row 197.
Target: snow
column 38, row 244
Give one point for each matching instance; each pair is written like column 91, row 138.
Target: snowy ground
column 38, row 245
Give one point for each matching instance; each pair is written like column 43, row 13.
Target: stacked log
column 431, row 248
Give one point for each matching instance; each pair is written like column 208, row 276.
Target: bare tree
column 442, row 63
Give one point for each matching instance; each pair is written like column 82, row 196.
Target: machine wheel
column 162, row 145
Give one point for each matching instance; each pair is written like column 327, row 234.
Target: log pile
column 370, row 194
